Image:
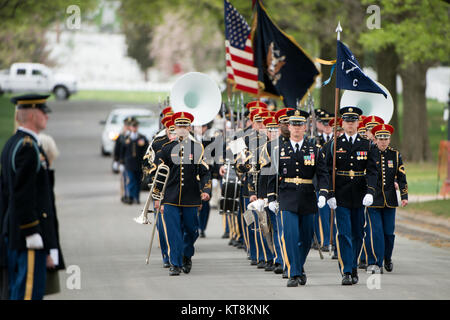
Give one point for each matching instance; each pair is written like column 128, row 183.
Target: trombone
column 157, row 190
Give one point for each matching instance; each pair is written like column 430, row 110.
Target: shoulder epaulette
column 26, row 142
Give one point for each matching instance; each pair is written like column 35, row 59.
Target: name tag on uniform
column 285, row 157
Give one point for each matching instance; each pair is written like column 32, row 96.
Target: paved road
column 99, row 236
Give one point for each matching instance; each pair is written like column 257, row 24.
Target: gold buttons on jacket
column 44, row 215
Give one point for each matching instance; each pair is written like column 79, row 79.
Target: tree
column 418, row 30
column 138, row 39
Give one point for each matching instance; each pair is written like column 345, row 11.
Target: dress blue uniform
column 148, row 169
column 133, row 151
column 356, row 176
column 297, row 166
column 27, row 207
column 189, row 177
column 381, row 214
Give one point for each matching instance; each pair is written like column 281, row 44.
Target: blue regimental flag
column 285, row 70
column 349, row 74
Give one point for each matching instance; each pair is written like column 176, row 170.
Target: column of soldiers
column 287, row 195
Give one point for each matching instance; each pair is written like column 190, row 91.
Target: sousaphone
column 372, row 104
column 198, row 94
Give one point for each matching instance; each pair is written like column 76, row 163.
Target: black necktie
column 328, row 138
column 351, row 140
column 297, row 147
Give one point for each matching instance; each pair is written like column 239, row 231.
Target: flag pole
column 336, row 104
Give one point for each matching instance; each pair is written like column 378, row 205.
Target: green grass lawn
column 437, row 207
column 120, row 96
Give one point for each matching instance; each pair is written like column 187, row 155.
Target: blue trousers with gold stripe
column 296, row 240
column 162, row 239
column 276, row 232
column 264, row 252
column 27, row 274
column 181, row 227
column 251, row 239
column 380, row 236
column 349, row 236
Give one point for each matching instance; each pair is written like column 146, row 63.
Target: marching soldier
column 27, row 220
column 133, row 152
column 296, row 199
column 189, row 183
column 148, row 169
column 280, row 121
column 381, row 214
column 369, row 122
column 356, row 179
column 322, row 220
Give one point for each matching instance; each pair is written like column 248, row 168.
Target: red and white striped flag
column 239, row 53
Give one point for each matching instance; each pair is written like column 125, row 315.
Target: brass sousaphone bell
column 372, row 104
column 198, row 94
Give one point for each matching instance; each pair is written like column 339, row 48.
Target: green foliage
column 419, row 29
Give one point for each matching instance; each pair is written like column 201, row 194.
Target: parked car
column 36, row 77
column 113, row 124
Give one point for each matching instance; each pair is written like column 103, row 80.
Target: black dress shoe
column 241, row 246
column 355, row 277
column 174, row 271
column 166, row 265
column 334, row 256
column 325, row 249
column 269, row 266
column 292, row 282
column 261, row 265
column 302, row 279
column 285, row 275
column 225, row 235
column 388, row 265
column 278, row 268
column 253, row 262
column 362, row 265
column 347, row 279
column 202, row 234
column 187, row 264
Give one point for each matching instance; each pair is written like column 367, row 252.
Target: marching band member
column 381, row 214
column 149, row 168
column 189, row 183
column 369, row 122
column 356, row 179
column 297, row 165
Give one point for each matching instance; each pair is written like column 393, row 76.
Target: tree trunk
column 387, row 65
column 327, row 93
column 415, row 145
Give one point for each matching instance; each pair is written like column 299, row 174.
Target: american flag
column 239, row 53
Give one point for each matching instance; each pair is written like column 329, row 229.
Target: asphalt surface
column 100, row 240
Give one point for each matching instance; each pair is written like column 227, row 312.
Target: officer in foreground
column 297, row 165
column 356, row 180
column 27, row 217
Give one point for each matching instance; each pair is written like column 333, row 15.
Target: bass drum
column 231, row 190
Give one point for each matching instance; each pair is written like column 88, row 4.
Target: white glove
column 259, row 205
column 54, row 256
column 322, row 201
column 121, row 168
column 273, row 206
column 368, row 200
column 115, row 166
column 34, row 241
column 332, row 203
